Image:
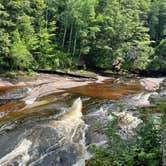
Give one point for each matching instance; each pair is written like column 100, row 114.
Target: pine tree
column 5, row 41
column 21, row 57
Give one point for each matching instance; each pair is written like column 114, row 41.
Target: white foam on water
column 101, row 111
column 140, row 99
column 71, row 119
column 30, row 101
column 127, row 122
column 70, row 123
column 67, row 126
column 20, row 152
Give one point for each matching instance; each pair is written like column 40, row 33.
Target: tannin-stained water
column 48, row 131
column 109, row 89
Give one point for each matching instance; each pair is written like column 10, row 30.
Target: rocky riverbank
column 27, row 104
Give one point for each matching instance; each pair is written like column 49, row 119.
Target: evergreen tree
column 21, row 57
column 157, row 20
column 69, row 33
column 5, row 25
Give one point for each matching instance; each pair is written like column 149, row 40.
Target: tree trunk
column 70, row 38
column 75, row 43
column 64, row 38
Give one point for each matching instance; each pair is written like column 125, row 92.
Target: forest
column 116, row 119
column 58, row 34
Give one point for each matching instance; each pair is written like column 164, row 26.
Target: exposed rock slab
column 151, row 84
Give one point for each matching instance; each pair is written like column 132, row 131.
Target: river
column 56, row 128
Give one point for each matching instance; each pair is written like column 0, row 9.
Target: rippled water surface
column 48, row 131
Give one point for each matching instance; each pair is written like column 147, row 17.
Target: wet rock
column 163, row 85
column 56, row 143
column 53, row 147
column 96, row 121
column 97, row 138
column 41, row 146
column 138, row 100
column 159, row 97
column 14, row 94
column 2, row 102
column 151, row 84
column 10, row 107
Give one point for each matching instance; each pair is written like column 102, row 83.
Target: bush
column 159, row 59
column 143, row 150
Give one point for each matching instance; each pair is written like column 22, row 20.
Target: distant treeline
column 83, row 33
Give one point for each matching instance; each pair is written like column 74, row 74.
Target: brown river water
column 56, row 129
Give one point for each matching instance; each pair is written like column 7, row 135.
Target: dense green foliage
column 92, row 33
column 145, row 149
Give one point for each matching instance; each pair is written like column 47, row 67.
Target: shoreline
column 44, row 84
column 43, row 78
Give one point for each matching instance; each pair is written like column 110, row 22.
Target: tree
column 5, row 25
column 157, row 20
column 20, row 32
column 92, row 33
column 159, row 58
column 21, row 57
column 121, row 31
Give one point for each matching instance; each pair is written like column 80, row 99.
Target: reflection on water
column 108, row 89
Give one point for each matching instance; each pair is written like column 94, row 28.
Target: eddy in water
column 56, row 143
